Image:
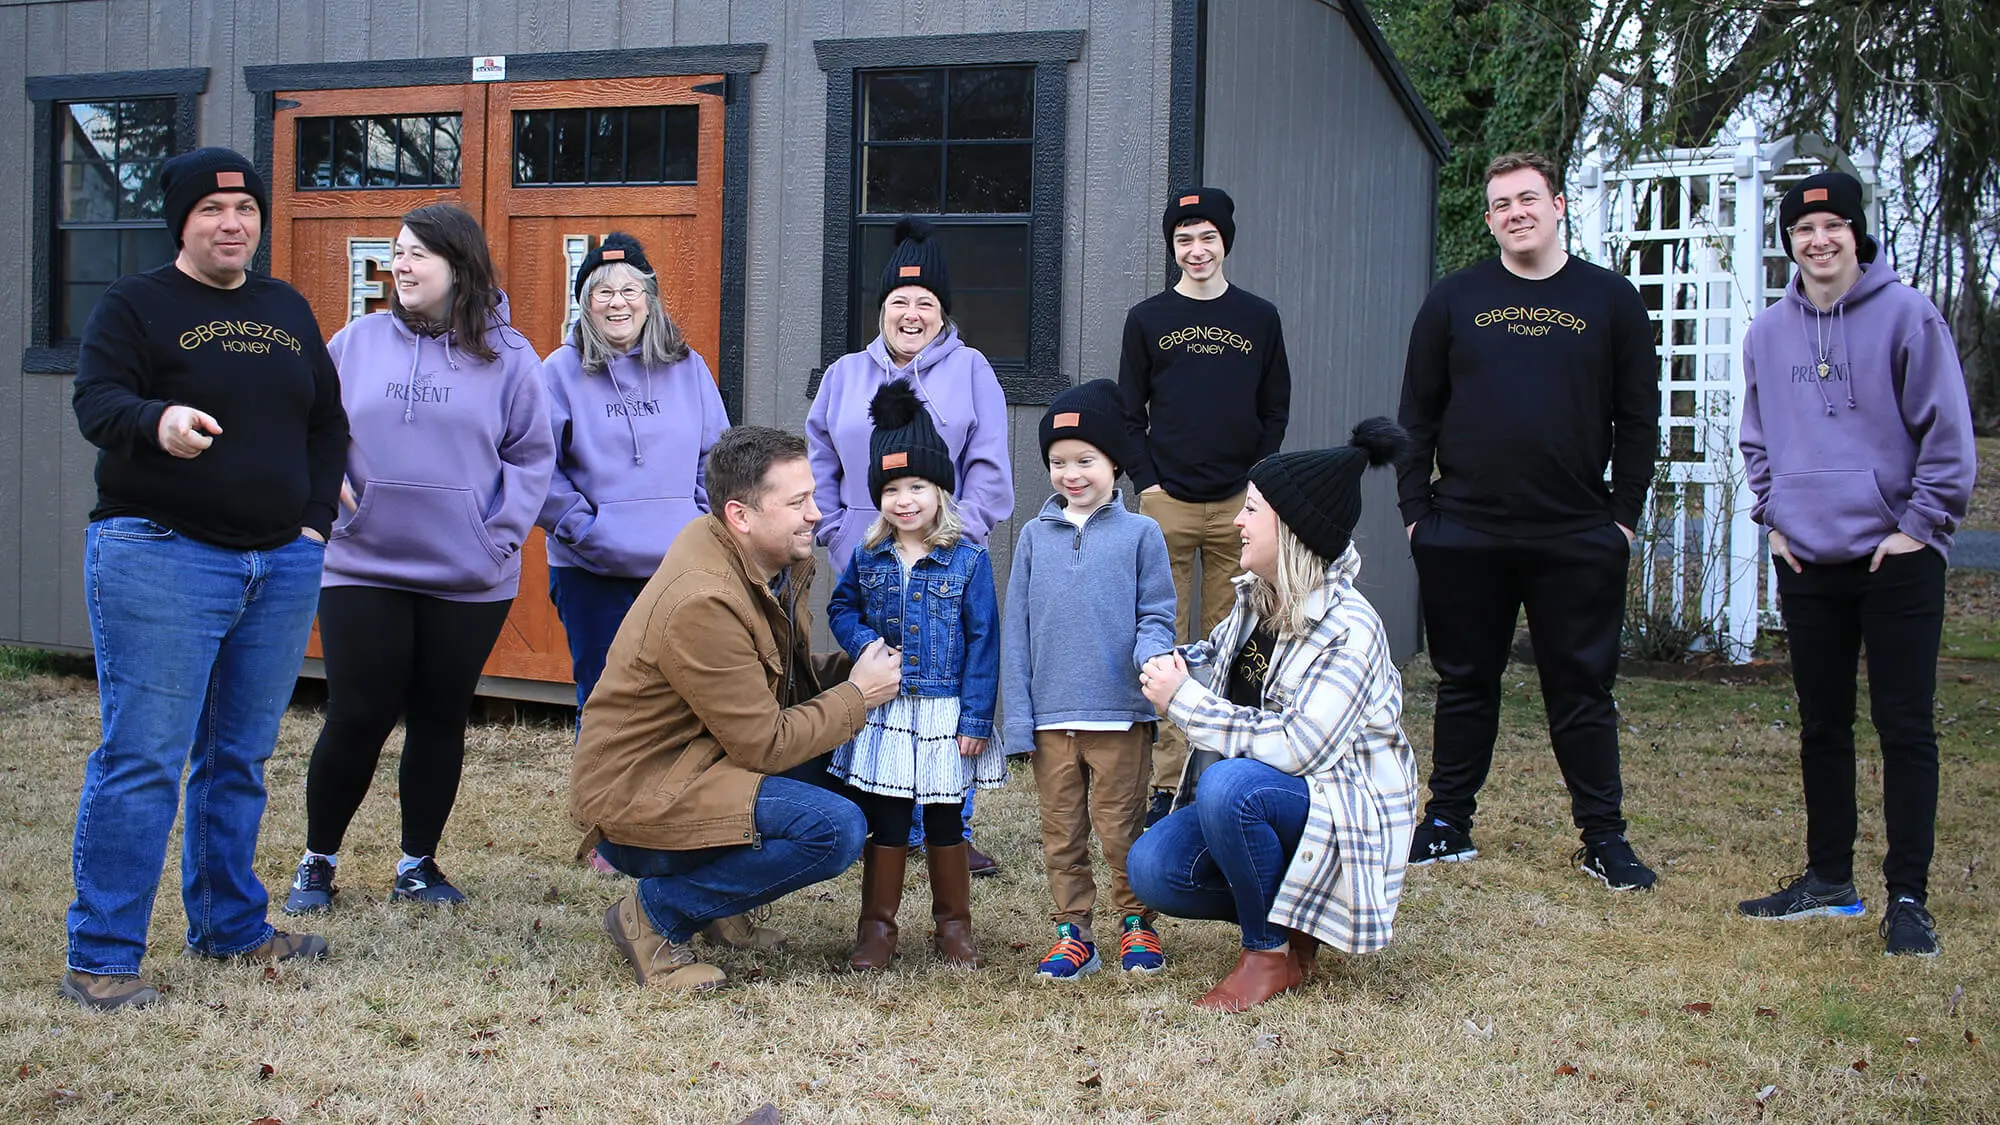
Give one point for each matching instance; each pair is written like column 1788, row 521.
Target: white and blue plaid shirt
column 1332, row 715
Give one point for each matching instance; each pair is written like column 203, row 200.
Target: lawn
column 1517, row 989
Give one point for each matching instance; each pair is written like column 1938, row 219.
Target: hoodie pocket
column 629, row 537
column 418, row 535
column 1830, row 515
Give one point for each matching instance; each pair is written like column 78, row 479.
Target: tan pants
column 1208, row 530
column 1104, row 772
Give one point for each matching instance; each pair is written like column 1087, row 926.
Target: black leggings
column 889, row 820
column 392, row 655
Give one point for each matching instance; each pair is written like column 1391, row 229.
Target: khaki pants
column 1208, row 530
column 1103, row 771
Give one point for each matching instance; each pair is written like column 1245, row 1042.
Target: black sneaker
column 1907, row 929
column 1615, row 864
column 425, row 883
column 1158, row 808
column 312, row 887
column 1438, row 842
column 1806, row 896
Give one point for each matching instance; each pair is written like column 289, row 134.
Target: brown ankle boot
column 881, row 895
column 951, row 905
column 1258, row 976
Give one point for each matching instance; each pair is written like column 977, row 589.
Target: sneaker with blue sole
column 1070, row 957
column 1805, row 896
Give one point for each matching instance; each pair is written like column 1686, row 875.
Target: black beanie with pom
column 905, row 443
column 917, row 260
column 1317, row 492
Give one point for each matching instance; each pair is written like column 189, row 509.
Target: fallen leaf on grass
column 62, row 1094
column 28, row 1070
column 1478, row 1032
column 269, row 1121
column 1768, row 1013
column 766, row 1114
column 1091, row 1081
column 1269, row 1041
column 1957, row 998
column 1967, row 679
column 1911, row 1042
column 1858, row 1066
column 1701, row 1063
column 1565, row 1070
column 265, row 1071
column 1017, row 946
column 1698, row 1008
column 1209, row 1060
column 1766, row 1094
column 1971, row 1040
column 270, row 972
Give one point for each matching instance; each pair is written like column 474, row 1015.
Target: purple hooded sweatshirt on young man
column 967, row 406
column 630, row 475
column 449, row 460
column 1882, row 443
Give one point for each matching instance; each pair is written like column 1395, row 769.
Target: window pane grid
column 377, row 152
column 108, row 200
column 606, row 145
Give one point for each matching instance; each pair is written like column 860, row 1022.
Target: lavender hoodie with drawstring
column 630, row 442
column 1882, row 444
column 449, row 460
column 967, row 406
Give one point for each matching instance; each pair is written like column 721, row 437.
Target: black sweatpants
column 1473, row 586
column 393, row 655
column 1831, row 612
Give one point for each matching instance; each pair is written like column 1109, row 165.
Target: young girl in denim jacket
column 917, row 584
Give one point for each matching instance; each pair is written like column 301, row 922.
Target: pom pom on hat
column 1317, row 492
column 905, row 443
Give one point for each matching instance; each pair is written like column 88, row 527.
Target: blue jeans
column 590, row 607
column 1224, row 857
column 198, row 648
column 807, row 835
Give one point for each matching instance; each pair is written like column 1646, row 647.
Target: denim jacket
column 947, row 623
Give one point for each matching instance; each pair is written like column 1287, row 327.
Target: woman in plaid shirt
column 1300, row 831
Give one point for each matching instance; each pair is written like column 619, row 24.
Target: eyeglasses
column 631, row 293
column 1808, row 230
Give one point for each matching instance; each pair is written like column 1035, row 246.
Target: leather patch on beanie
column 613, row 255
column 1067, row 420
column 910, row 271
column 895, row 460
column 1815, row 195
column 1188, row 201
column 229, row 179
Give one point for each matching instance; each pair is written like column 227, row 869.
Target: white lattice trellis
column 1676, row 226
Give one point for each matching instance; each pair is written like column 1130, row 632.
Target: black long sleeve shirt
column 1207, row 391
column 1522, row 391
column 252, row 359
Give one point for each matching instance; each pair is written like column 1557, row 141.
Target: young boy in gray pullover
column 1090, row 599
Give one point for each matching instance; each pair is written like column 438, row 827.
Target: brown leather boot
column 881, row 895
column 1258, row 976
column 1304, row 949
column 951, row 906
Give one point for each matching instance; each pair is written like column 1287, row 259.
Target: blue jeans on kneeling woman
column 1224, row 857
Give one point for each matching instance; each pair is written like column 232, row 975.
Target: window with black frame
column 351, row 153
column 109, row 208
column 955, row 144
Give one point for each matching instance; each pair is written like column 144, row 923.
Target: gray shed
column 771, row 142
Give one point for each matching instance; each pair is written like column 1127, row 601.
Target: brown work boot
column 1304, row 949
column 107, row 992
column 657, row 962
column 881, row 896
column 280, row 946
column 951, row 906
column 1259, row 975
column 741, row 931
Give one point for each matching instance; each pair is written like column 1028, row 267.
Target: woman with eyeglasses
column 633, row 410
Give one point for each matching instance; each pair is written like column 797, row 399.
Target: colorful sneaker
column 1907, row 929
column 312, row 887
column 1437, row 842
column 1139, row 948
column 1614, row 863
column 1070, row 957
column 425, row 883
column 1806, row 896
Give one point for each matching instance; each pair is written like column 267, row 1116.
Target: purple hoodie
column 449, row 460
column 966, row 404
column 630, row 441
column 1882, row 444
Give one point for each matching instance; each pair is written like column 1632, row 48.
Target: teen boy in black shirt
column 1526, row 374
column 1207, row 393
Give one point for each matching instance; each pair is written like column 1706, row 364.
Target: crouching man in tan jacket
column 709, row 692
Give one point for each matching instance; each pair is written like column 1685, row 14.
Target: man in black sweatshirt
column 221, row 442
column 1526, row 375
column 1207, row 393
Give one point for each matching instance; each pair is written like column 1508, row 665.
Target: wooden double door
column 548, row 168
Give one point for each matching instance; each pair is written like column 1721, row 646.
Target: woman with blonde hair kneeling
column 1294, row 813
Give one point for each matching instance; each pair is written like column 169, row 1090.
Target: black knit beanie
column 1836, row 193
column 616, row 247
column 904, row 443
column 917, row 260
column 1317, row 492
column 189, row 178
column 1092, row 412
column 1208, row 203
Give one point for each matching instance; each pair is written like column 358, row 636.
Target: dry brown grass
column 1985, row 510
column 1507, row 972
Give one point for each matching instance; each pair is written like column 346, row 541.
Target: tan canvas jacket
column 709, row 688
